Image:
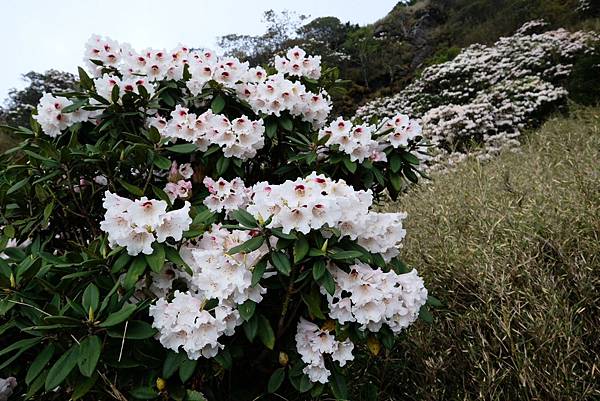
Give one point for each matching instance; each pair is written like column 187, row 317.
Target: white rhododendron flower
column 51, row 117
column 182, row 322
column 364, row 141
column 226, row 195
column 296, row 63
column 136, row 225
column 372, row 297
column 239, row 138
column 312, row 343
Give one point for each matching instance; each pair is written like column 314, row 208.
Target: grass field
column 512, row 248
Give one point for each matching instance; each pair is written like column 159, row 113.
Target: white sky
column 42, row 34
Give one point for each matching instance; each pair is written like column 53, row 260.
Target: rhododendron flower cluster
column 316, row 201
column 183, row 323
column 312, row 343
column 226, row 195
column 308, row 203
column 216, row 275
column 372, row 297
column 365, row 141
column 105, row 84
column 298, row 64
column 137, row 224
column 277, row 94
column 51, row 117
column 239, row 138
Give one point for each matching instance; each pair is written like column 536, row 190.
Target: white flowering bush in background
column 487, row 95
column 185, row 225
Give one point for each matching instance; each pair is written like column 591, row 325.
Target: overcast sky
column 42, row 34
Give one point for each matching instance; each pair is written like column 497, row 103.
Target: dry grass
column 512, row 247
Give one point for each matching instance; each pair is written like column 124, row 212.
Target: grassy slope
column 513, row 249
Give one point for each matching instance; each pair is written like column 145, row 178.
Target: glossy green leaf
column 281, row 262
column 120, row 316
column 89, row 354
column 62, row 367
column 276, row 380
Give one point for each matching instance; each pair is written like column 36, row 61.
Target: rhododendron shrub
column 185, row 224
column 488, row 95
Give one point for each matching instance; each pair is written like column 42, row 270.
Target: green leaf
column 265, row 332
column 222, row 165
column 21, row 344
column 395, row 162
column 186, row 370
column 251, row 245
column 350, row 165
column 143, row 393
column 344, row 255
column 39, row 363
column 410, row 174
column 247, row 309
column 244, row 218
column 433, row 301
column 120, row 263
column 425, row 315
column 183, row 148
column 224, row 359
column 193, row 395
column 91, row 297
column 48, row 211
column 172, row 363
column 83, row 387
column 396, row 181
column 156, row 260
column 270, row 128
column 162, row 162
column 84, row 80
column 280, row 234
column 251, row 328
column 281, row 262
column 137, row 268
column 258, row 271
column 338, row 386
column 301, row 248
column 114, row 94
column 136, row 330
column 276, row 380
column 327, row 282
column 318, row 269
column 76, row 105
column 89, row 353
column 313, row 301
column 412, row 159
column 37, row 385
column 218, row 104
column 62, row 367
column 173, row 255
column 286, row 123
column 131, row 188
column 15, row 187
column 120, row 316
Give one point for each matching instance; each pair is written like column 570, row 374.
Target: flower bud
column 374, row 345
column 283, row 359
column 161, row 384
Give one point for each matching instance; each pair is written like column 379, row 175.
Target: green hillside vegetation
column 512, row 248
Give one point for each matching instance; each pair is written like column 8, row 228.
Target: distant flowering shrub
column 181, row 207
column 489, row 94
